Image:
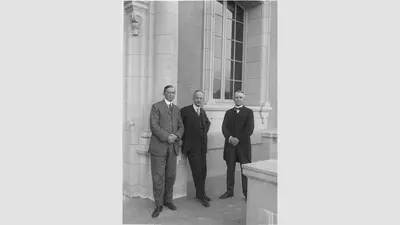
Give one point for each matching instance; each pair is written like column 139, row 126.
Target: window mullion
column 224, row 9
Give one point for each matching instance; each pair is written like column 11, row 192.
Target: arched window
column 228, row 49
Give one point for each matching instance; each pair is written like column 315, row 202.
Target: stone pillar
column 166, row 36
column 135, row 78
column 262, row 192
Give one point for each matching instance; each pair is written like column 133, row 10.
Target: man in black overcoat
column 196, row 126
column 237, row 127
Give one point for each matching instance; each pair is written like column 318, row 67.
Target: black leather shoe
column 226, row 195
column 157, row 211
column 204, row 202
column 170, row 206
column 206, row 197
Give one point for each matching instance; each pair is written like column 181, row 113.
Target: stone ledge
column 270, row 134
column 265, row 170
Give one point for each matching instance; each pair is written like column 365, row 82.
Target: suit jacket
column 191, row 137
column 241, row 126
column 162, row 124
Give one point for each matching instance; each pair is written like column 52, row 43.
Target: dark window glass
column 238, row 86
column 239, row 32
column 239, row 13
column 239, row 51
column 230, row 13
column 238, row 71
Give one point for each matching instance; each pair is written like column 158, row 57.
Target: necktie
column 170, row 107
column 198, row 111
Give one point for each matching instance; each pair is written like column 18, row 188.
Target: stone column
column 135, row 77
column 166, row 36
column 262, row 192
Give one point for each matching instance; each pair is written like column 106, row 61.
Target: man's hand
column 172, row 138
column 234, row 141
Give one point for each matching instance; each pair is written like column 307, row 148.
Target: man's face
column 169, row 94
column 198, row 99
column 238, row 98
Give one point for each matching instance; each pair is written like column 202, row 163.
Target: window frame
column 223, row 49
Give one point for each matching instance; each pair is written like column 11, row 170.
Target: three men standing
column 196, row 124
column 170, row 126
column 167, row 130
column 237, row 127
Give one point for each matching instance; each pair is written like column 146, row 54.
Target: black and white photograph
column 175, row 112
column 200, row 112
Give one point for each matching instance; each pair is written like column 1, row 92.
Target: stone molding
column 270, row 134
column 265, row 171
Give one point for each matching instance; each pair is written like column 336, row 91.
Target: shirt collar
column 195, row 107
column 168, row 102
column 238, row 106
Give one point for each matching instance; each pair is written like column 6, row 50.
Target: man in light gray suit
column 167, row 130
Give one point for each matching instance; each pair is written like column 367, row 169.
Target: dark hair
column 168, row 86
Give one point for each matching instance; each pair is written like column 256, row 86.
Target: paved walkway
column 229, row 211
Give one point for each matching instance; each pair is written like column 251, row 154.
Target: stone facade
column 171, row 43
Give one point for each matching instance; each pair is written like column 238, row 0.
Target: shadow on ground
column 229, row 211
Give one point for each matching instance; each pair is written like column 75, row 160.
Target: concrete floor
column 229, row 211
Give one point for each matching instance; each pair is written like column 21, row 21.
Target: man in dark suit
column 237, row 127
column 196, row 124
column 167, row 129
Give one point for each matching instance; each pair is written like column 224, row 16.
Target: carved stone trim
column 270, row 134
column 133, row 9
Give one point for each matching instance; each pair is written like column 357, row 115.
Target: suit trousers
column 233, row 155
column 163, row 173
column 198, row 165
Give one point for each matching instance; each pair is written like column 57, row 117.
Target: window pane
column 230, row 13
column 238, row 71
column 229, row 69
column 229, row 49
column 218, row 7
column 217, row 68
column 218, row 25
column 229, row 29
column 228, row 89
column 238, row 86
column 239, row 31
column 217, row 89
column 239, row 13
column 217, row 47
column 238, row 51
